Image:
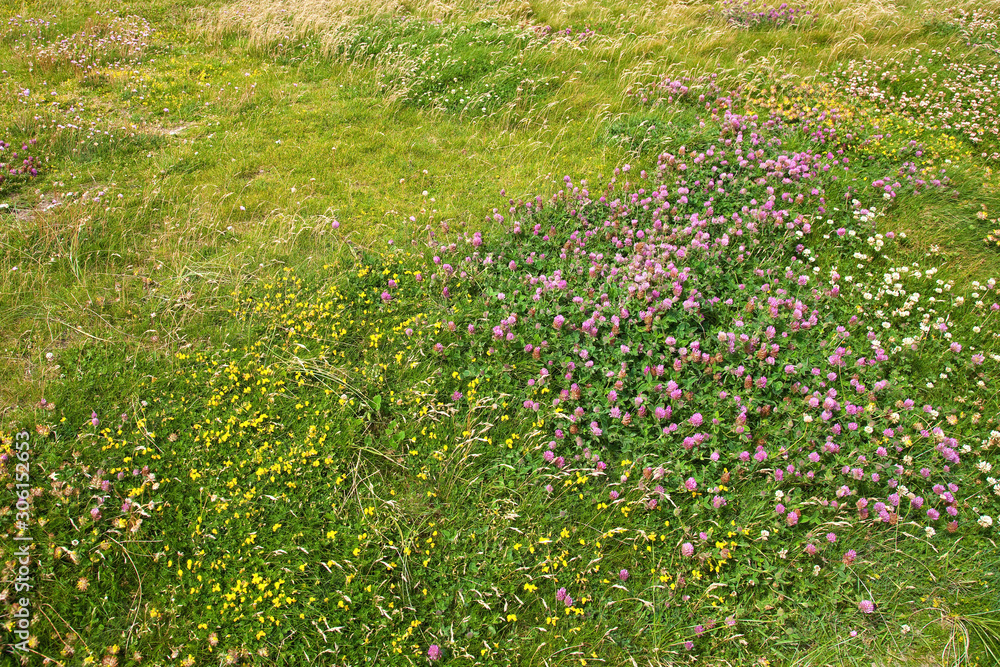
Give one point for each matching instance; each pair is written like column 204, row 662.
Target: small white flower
column 983, row 466
column 764, row 534
column 985, row 521
column 929, row 532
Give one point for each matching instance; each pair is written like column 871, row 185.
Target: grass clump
column 747, row 15
column 475, row 69
column 17, row 166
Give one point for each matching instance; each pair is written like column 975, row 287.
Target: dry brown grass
column 268, row 22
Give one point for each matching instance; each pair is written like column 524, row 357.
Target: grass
column 519, row 333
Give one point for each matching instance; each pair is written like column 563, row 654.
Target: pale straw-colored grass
column 268, row 22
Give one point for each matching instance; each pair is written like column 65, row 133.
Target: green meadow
column 499, row 333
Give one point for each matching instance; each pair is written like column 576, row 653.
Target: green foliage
column 475, row 69
column 290, row 401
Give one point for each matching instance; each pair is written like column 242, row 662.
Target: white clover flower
column 929, row 532
column 985, row 521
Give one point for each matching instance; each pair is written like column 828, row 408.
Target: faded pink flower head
column 434, row 652
column 866, row 606
column 687, row 549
